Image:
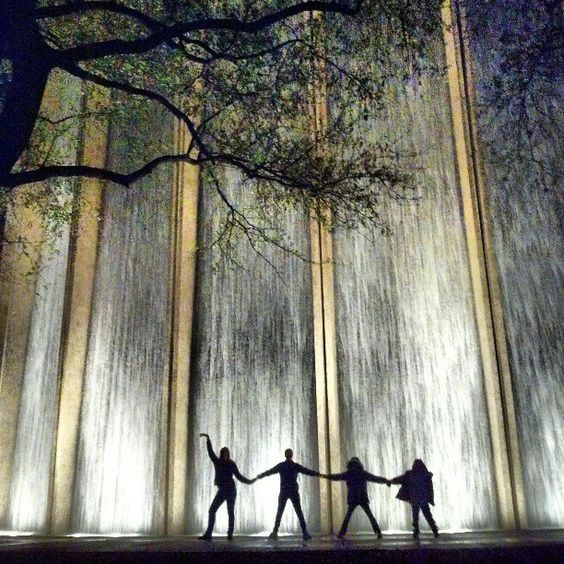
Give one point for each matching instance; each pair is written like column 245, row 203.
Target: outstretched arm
column 341, row 476
column 397, row 479
column 372, row 478
column 307, row 471
column 211, row 453
column 271, row 472
column 240, row 476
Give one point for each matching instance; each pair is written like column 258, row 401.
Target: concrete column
column 184, row 274
column 478, row 274
column 466, row 84
column 320, row 378
column 332, row 495
column 331, row 374
column 74, row 346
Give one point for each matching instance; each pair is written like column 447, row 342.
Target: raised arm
column 211, row 453
column 307, row 471
column 240, row 476
column 271, row 472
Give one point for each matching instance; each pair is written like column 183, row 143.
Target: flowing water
column 529, row 242
column 253, row 383
column 31, row 476
column 120, row 464
column 410, row 377
column 29, row 492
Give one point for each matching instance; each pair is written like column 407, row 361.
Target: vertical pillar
column 332, row 496
column 332, row 384
column 466, row 84
column 479, row 280
column 184, row 274
column 74, row 347
column 320, row 378
column 17, row 296
column 330, row 459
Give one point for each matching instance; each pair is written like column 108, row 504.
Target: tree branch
column 143, row 92
column 215, row 55
column 94, row 6
column 63, row 171
column 136, row 46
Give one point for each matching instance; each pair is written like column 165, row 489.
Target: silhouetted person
column 225, row 469
column 289, row 490
column 356, row 478
column 417, row 489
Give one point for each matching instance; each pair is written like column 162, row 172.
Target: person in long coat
column 356, row 478
column 417, row 489
column 225, row 469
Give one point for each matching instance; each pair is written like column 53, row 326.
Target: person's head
column 289, row 454
column 419, row 466
column 224, row 453
column 354, row 464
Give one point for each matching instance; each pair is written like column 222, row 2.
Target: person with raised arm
column 417, row 489
column 289, row 490
column 356, row 478
column 225, row 469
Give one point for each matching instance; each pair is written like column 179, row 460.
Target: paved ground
column 516, row 548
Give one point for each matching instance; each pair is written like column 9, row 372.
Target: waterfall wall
column 409, row 368
column 120, row 467
column 528, row 241
column 252, row 382
column 29, row 495
column 31, row 475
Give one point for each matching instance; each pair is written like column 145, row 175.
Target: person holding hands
column 225, row 470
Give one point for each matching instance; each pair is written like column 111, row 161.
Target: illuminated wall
column 253, row 373
column 388, row 353
column 409, row 366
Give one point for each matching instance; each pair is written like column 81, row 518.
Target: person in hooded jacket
column 225, row 469
column 417, row 489
column 356, row 478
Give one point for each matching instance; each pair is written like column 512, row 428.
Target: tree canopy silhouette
column 246, row 78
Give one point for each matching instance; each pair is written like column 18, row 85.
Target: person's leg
column 215, row 504
column 282, row 499
column 426, row 510
column 231, row 513
column 296, row 502
column 415, row 515
column 372, row 519
column 346, row 520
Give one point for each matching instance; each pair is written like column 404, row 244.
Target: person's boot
column 273, row 535
column 306, row 536
column 341, row 534
column 378, row 533
column 229, row 536
column 206, row 536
